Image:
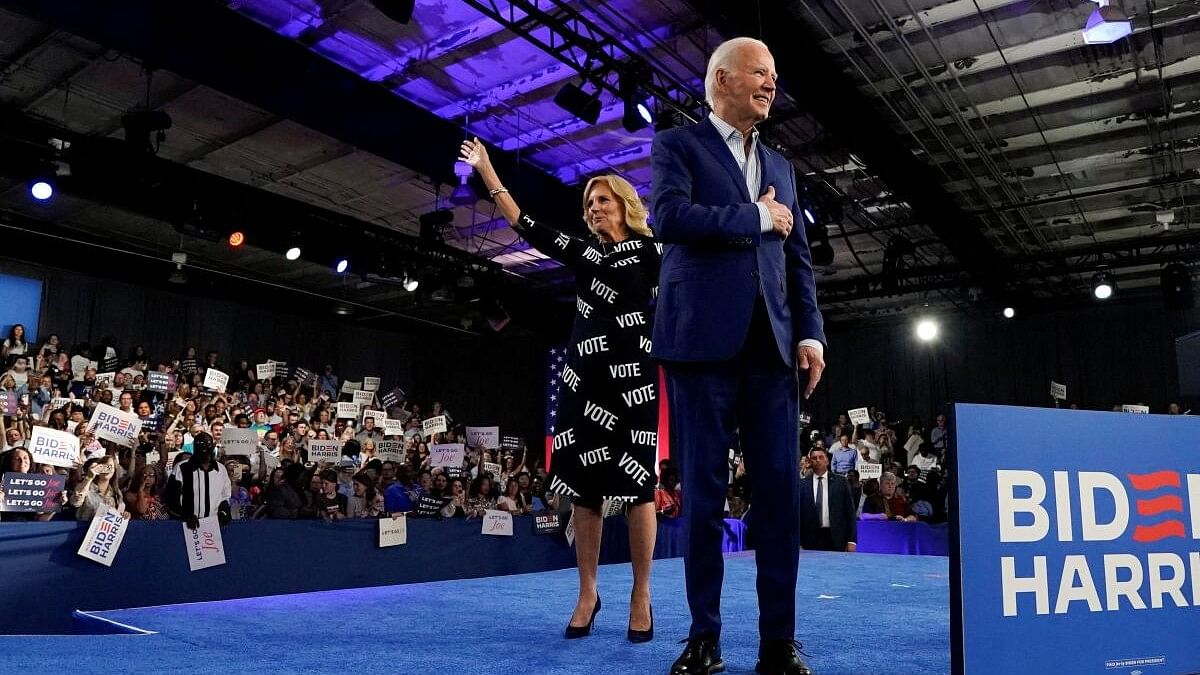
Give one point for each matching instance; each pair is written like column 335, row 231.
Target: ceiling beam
column 932, row 18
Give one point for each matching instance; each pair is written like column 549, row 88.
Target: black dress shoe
column 781, row 657
column 576, row 632
column 701, row 656
column 638, row 636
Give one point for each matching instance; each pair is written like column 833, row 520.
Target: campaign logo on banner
column 50, row 446
column 104, row 537
column 371, row 384
column 494, row 469
column 1080, row 562
column 347, row 410
column 32, row 492
column 860, row 416
column 363, row 397
column 378, row 415
column 1058, row 391
column 161, row 382
column 393, row 531
column 239, row 442
column 1136, row 409
column 447, row 454
column 264, row 371
column 434, row 425
column 349, row 387
column 215, row 380
column 324, row 451
column 547, row 522
column 497, row 523
column 205, row 547
column 113, row 425
column 105, row 380
column 869, row 470
column 389, row 447
column 392, row 427
column 483, row 437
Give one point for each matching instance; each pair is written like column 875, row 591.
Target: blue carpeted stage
column 859, row 613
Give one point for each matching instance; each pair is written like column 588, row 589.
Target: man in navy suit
column 828, row 512
column 737, row 319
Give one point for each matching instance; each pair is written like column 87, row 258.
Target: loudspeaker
column 1176, row 284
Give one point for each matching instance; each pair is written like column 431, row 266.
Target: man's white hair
column 723, row 59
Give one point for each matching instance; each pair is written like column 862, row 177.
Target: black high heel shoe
column 639, row 636
column 576, row 632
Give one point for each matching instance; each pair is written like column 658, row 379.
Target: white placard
column 494, row 469
column 860, row 416
column 487, row 438
column 59, row 403
column 240, row 442
column 379, row 416
column 393, row 531
column 265, row 371
column 1058, row 391
column 363, row 397
column 104, row 537
column 390, row 457
column 204, row 545
column 347, row 410
column 371, row 383
column 50, row 446
column 215, row 380
column 1138, row 409
column 434, row 425
column 392, row 427
column 499, row 523
column 447, row 454
column 867, row 470
column 105, row 380
column 113, row 425
column 348, row 386
column 324, row 451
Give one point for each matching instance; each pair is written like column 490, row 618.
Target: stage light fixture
column 41, row 190
column 237, row 238
column 1103, row 286
column 178, row 276
column 572, row 98
column 637, row 115
column 400, row 11
column 411, row 283
column 1009, row 312
column 463, row 195
column 341, row 266
column 292, row 253
column 927, row 330
column 1106, row 24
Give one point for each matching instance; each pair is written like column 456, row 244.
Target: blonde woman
column 606, row 434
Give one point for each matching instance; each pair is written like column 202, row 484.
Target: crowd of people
column 58, row 387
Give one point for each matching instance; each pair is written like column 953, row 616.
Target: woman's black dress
column 606, row 435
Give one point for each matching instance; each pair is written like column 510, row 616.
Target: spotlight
column 927, row 330
column 400, row 11
column 292, row 253
column 1009, row 312
column 462, row 195
column 808, row 215
column 138, row 126
column 341, row 265
column 41, row 190
column 410, row 283
column 1103, row 286
column 237, row 238
column 579, row 103
column 1107, row 24
column 637, row 115
column 178, row 276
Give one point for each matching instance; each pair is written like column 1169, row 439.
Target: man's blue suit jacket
column 715, row 256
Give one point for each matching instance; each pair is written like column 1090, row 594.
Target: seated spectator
column 887, row 504
column 365, row 502
column 668, row 498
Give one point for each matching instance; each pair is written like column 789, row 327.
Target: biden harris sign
column 1081, row 555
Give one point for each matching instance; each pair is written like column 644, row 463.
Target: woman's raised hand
column 472, row 152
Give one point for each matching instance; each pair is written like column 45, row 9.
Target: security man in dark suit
column 827, row 509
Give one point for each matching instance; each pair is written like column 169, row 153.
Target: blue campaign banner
column 1078, row 541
